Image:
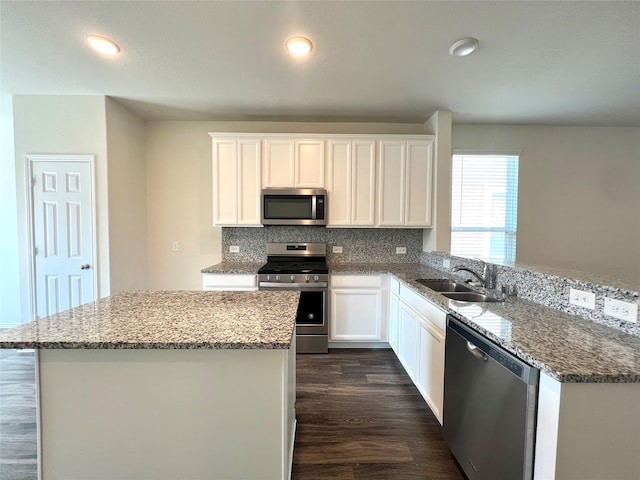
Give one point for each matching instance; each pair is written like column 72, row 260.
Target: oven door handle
column 289, row 286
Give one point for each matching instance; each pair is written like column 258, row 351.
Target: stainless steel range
column 303, row 267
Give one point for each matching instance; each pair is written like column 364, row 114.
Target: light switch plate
column 401, row 250
column 337, row 249
column 175, row 246
column 582, row 298
column 234, row 249
column 622, row 310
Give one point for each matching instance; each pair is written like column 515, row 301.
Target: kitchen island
column 166, row 385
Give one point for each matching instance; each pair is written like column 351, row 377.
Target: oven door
column 311, row 318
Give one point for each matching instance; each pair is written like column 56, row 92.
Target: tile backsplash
column 359, row 245
column 551, row 289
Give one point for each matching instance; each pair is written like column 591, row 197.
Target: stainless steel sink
column 444, row 285
column 470, row 297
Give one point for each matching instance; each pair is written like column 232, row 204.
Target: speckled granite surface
column 233, row 267
column 167, row 320
column 551, row 287
column 567, row 347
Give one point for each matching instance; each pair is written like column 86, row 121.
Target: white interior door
column 63, row 219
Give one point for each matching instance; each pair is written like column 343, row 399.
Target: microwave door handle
column 313, row 207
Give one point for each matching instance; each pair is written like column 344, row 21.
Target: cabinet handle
column 86, row 266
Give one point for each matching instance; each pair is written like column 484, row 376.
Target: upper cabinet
column 371, row 181
column 405, row 170
column 351, row 182
column 293, row 163
column 236, row 181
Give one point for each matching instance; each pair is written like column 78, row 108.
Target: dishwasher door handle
column 476, row 352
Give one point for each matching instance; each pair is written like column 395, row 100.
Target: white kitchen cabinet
column 292, row 162
column 408, row 340
column 430, row 378
column 236, row 181
column 351, row 182
column 356, row 312
column 229, row 281
column 405, row 193
column 421, row 346
column 394, row 312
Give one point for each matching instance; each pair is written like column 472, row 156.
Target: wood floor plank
column 365, row 420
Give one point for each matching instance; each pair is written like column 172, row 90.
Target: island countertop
column 166, row 320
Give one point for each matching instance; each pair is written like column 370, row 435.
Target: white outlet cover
column 622, row 310
column 175, row 246
column 337, row 249
column 401, row 250
column 446, row 263
column 234, row 249
column 582, row 298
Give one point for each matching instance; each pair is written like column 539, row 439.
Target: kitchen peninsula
column 165, row 385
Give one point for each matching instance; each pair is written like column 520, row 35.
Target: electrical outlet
column 446, row 263
column 582, row 298
column 175, row 247
column 234, row 249
column 337, row 249
column 623, row 310
column 401, row 250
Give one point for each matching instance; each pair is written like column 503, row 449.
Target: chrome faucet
column 486, row 279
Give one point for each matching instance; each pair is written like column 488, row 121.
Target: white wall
column 127, row 176
column 10, row 307
column 180, row 191
column 579, row 194
column 50, row 124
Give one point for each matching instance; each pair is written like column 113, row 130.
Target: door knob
column 86, row 266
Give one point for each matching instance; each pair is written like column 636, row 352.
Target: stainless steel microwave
column 294, row 206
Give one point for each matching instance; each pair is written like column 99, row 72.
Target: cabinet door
column 249, row 163
column 229, row 282
column 394, row 312
column 408, row 340
column 363, row 183
column 391, row 182
column 339, row 182
column 309, row 163
column 430, row 380
column 225, row 181
column 419, row 193
column 356, row 314
column 278, row 166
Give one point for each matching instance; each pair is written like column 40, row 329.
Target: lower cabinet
column 356, row 312
column 419, row 328
column 229, row 281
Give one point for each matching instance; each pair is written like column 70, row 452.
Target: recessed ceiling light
column 299, row 46
column 103, row 45
column 464, row 47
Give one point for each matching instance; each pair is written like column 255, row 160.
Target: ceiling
column 552, row 63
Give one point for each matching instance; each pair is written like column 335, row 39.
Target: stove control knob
column 268, row 278
column 293, row 278
column 277, row 278
column 316, row 278
column 306, row 279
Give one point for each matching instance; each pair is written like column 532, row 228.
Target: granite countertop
column 234, row 267
column 567, row 347
column 167, row 320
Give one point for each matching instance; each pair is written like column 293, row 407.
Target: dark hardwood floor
column 360, row 417
column 18, row 450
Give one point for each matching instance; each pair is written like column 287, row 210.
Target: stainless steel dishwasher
column 490, row 401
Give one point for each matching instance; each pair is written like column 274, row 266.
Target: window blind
column 484, row 204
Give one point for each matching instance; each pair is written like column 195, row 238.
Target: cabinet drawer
column 356, row 281
column 215, row 281
column 424, row 307
column 394, row 285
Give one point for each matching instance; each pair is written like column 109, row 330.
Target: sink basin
column 444, row 285
column 470, row 297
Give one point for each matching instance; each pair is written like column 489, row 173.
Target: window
column 484, row 203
